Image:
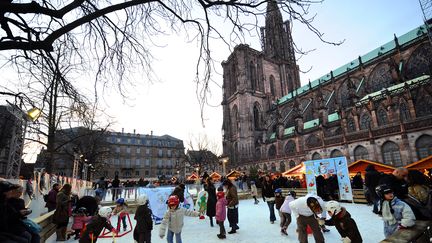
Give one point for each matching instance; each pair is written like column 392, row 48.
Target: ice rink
column 255, row 227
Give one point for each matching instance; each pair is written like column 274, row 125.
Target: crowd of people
column 400, row 198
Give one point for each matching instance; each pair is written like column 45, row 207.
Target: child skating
column 221, row 205
column 143, row 216
column 121, row 210
column 254, row 192
column 345, row 225
column 285, row 212
column 96, row 225
column 80, row 219
column 173, row 220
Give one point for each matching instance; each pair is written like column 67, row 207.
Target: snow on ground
column 255, row 227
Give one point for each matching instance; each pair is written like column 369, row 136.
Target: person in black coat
column 211, row 201
column 358, row 181
column 115, row 184
column 143, row 216
column 268, row 189
column 372, row 178
column 179, row 192
column 397, row 180
column 88, row 202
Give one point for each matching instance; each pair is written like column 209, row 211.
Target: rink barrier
column 421, row 232
column 358, row 194
column 48, row 227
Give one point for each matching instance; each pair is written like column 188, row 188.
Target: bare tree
column 202, row 153
column 119, row 35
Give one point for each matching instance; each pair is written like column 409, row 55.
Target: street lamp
column 223, row 160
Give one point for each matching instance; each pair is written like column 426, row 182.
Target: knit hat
column 220, row 189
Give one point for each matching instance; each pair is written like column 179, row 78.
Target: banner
column 345, row 192
column 327, row 167
column 310, row 177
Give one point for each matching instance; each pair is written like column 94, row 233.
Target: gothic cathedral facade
column 376, row 107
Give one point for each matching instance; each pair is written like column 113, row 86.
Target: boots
column 61, row 234
column 211, row 222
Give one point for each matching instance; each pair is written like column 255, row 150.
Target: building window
column 160, row 152
column 128, row 150
column 253, row 75
column 128, row 163
column 147, row 173
column 147, row 151
column 336, row 153
column 424, row 146
column 382, row 117
column 117, row 149
column 272, row 85
column 116, row 161
column 316, row 156
column 391, row 154
column 360, row 152
column 137, row 162
column 404, row 113
column 272, row 152
column 118, row 140
column 365, row 121
column 138, row 141
column 350, row 125
column 292, row 164
column 138, row 150
column 257, row 116
column 129, row 141
column 136, row 173
column 169, row 153
column 147, row 162
column 290, row 148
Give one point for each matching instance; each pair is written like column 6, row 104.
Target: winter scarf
column 387, row 213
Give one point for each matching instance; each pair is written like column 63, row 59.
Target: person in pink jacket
column 221, row 205
column 79, row 221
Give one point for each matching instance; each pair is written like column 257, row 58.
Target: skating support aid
column 108, row 234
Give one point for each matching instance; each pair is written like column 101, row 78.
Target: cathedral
column 377, row 107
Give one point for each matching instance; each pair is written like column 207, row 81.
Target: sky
column 170, row 105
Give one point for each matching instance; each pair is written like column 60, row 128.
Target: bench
column 48, row 228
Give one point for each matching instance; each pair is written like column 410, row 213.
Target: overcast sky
column 171, row 107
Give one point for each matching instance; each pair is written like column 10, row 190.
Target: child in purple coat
column 221, row 205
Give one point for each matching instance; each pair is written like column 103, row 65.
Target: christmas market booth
column 296, row 171
column 422, row 165
column 233, row 175
column 361, row 164
column 215, row 176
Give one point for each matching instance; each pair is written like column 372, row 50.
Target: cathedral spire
column 276, row 35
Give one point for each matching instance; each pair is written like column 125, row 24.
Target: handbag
column 32, row 226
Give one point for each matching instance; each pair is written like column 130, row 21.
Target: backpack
column 45, row 198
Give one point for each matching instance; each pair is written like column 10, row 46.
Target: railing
column 333, row 140
column 387, row 130
column 357, row 135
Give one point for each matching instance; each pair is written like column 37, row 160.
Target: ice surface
column 255, row 227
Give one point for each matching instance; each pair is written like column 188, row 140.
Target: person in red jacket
column 80, row 219
column 221, row 205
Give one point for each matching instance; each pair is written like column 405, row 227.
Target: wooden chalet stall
column 233, row 175
column 215, row 176
column 298, row 170
column 422, row 165
column 361, row 164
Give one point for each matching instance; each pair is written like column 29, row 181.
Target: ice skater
column 221, row 205
column 345, row 225
column 173, row 220
column 285, row 212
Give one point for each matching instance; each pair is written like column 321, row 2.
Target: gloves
column 346, row 240
column 321, row 222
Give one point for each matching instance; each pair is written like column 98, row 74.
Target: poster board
column 325, row 167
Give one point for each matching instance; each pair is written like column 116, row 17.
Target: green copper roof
column 386, row 48
column 272, row 136
column 289, row 131
column 333, row 117
column 311, row 124
column 394, row 89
